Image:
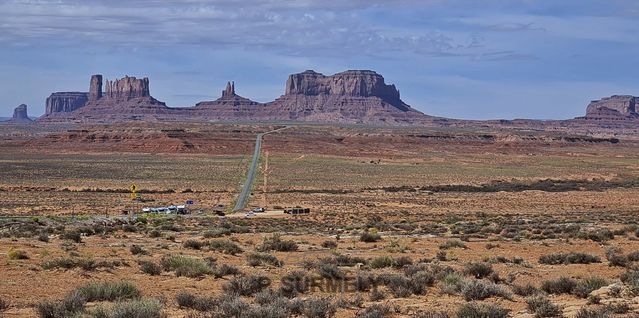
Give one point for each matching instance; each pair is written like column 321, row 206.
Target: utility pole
column 265, row 172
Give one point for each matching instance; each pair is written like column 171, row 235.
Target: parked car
column 259, row 210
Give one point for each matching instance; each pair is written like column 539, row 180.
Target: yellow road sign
column 134, row 190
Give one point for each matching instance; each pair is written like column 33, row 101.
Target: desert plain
column 404, row 221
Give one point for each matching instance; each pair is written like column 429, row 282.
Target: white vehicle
column 249, row 214
column 259, row 210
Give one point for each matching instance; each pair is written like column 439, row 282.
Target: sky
column 470, row 59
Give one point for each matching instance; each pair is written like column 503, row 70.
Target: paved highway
column 242, row 200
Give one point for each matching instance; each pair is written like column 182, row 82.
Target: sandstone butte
column 351, row 97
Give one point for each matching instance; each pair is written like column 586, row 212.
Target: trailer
column 296, row 211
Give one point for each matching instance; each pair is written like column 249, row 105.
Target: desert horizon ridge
column 353, row 96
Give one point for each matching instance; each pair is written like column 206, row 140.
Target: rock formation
column 95, row 87
column 229, row 91
column 228, row 107
column 127, row 88
column 20, row 115
column 350, row 83
column 65, row 102
column 124, row 99
column 616, row 107
column 348, row 97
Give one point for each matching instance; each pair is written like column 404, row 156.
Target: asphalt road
column 242, row 200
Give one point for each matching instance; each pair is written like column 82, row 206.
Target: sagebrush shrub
column 568, row 258
column 246, row 285
column 481, row 310
column 109, row 291
column 562, row 285
column 542, row 307
column 150, row 268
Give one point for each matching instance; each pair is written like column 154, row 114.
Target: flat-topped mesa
column 65, row 102
column 20, row 114
column 354, row 83
column 229, row 91
column 624, row 105
column 126, row 88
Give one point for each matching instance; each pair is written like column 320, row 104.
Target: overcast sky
column 454, row 58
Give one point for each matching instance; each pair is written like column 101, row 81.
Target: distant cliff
column 350, row 83
column 65, row 102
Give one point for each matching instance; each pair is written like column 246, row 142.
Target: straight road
column 242, row 200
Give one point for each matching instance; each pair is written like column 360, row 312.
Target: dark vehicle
column 294, row 211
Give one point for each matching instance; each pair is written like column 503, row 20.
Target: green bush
column 525, row 290
column 480, row 290
column 72, row 304
column 84, row 263
column 225, row 246
column 616, row 257
column 568, row 258
column 14, row 254
column 329, row 244
column 150, row 268
column 631, row 278
column 562, row 285
column 257, row 259
column 275, row 243
column 318, row 308
column 246, row 285
column 72, row 236
column 542, row 307
column 43, row 237
column 216, row 232
column 381, row 262
column 481, row 310
column 452, row 283
column 478, row 270
column 109, row 291
column 586, row 286
column 143, row 308
column 375, row 311
column 225, row 270
column 138, row 250
column 432, row 314
column 294, row 283
column 194, row 244
column 454, row 243
column 369, row 237
column 187, row 300
column 185, row 266
column 585, row 312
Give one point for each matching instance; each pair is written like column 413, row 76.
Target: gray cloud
column 297, row 28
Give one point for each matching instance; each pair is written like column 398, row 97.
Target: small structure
column 295, row 211
column 171, row 209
